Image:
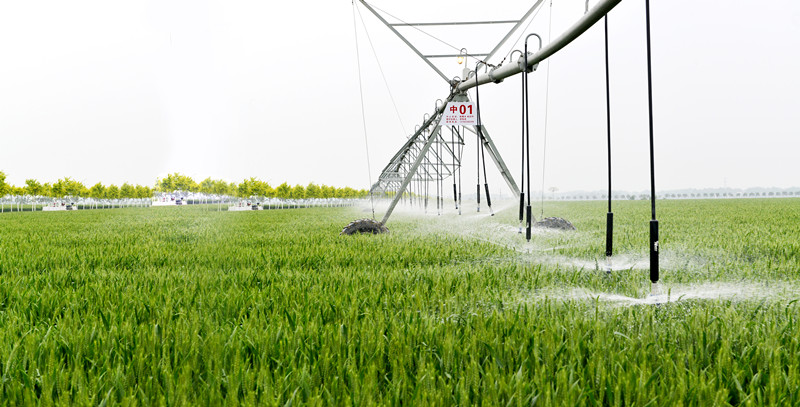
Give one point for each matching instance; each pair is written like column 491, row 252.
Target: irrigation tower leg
column 412, row 171
column 498, row 159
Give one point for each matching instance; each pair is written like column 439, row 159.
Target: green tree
column 69, row 187
column 244, row 189
column 177, row 182
column 127, row 191
column 270, row 191
column 3, row 185
column 223, row 188
column 57, row 190
column 97, row 191
column 33, row 187
column 143, row 192
column 207, row 186
column 328, row 191
column 112, row 192
column 298, row 192
column 313, row 191
column 348, row 192
column 283, row 191
column 262, row 188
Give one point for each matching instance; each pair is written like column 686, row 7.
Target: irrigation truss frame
column 416, row 160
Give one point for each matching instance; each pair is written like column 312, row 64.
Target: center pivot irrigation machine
column 430, row 156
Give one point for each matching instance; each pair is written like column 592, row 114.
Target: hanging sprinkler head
column 528, row 223
column 655, row 289
column 609, row 239
column 481, row 144
column 529, row 217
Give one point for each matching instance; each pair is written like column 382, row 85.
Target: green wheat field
column 179, row 306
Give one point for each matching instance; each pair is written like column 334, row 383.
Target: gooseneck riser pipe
column 583, row 24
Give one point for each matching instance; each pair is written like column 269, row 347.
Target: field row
column 184, row 306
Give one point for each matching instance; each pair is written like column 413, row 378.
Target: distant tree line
column 176, row 182
column 255, row 187
column 69, row 187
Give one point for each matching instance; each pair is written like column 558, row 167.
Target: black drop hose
column 522, row 164
column 481, row 142
column 528, row 222
column 460, row 159
column 654, row 246
column 453, row 146
column 609, row 215
column 479, row 171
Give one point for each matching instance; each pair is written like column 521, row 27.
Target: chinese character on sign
column 459, row 114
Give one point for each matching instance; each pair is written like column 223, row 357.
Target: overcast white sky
column 129, row 91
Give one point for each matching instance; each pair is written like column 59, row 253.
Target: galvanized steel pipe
column 504, row 71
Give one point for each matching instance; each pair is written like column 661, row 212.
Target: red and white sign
column 460, row 114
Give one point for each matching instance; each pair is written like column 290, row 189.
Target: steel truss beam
column 455, row 23
column 426, row 58
column 504, row 71
column 405, row 165
column 433, row 166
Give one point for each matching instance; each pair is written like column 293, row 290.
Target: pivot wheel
column 554, row 223
column 370, row 226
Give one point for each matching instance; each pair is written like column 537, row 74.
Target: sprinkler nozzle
column 528, row 223
column 654, row 251
column 655, row 289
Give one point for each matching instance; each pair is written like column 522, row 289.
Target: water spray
column 426, row 196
